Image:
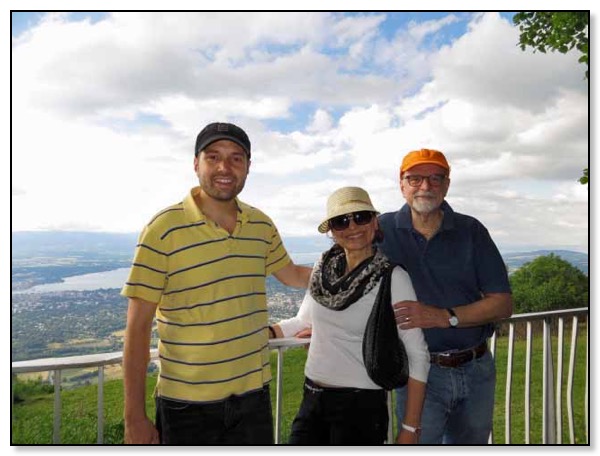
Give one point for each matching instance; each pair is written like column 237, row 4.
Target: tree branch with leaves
column 556, row 31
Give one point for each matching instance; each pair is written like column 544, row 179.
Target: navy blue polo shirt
column 452, row 269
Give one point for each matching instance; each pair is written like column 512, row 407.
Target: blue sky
column 115, row 101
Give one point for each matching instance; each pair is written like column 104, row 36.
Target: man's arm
column 136, row 355
column 492, row 307
column 293, row 275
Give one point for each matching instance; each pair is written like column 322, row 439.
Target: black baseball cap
column 219, row 130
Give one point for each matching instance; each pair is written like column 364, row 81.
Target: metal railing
column 551, row 395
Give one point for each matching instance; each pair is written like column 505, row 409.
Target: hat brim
column 213, row 139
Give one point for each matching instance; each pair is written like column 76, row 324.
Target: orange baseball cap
column 424, row 156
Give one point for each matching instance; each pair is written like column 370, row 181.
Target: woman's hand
column 304, row 334
column 407, row 438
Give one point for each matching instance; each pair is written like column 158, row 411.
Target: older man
column 462, row 288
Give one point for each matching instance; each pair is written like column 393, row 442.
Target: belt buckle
column 443, row 358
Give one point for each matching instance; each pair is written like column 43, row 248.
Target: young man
column 462, row 288
column 200, row 268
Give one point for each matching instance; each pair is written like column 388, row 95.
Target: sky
column 106, row 108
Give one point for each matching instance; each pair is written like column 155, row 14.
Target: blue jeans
column 237, row 420
column 459, row 403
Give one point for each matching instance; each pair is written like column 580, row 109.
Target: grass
column 517, row 402
column 32, row 418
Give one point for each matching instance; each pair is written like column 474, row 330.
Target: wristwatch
column 453, row 320
column 414, row 430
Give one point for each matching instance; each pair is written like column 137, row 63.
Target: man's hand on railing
column 141, row 432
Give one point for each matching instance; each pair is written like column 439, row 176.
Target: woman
column 341, row 404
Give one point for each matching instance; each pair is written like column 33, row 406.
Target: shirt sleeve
column 492, row 272
column 413, row 339
column 277, row 256
column 302, row 320
column 148, row 275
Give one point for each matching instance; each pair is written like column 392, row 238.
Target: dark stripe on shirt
column 140, row 265
column 213, row 282
column 275, row 248
column 277, row 260
column 175, row 228
column 216, row 362
column 216, row 342
column 166, row 211
column 208, row 382
column 182, row 248
column 152, row 249
column 250, row 239
column 196, row 245
column 199, row 265
column 216, row 322
column 138, row 284
column 216, row 301
column 258, row 222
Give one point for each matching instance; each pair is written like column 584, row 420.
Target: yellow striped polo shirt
column 212, row 308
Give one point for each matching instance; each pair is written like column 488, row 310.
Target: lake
column 117, row 277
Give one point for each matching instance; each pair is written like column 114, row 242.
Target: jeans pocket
column 173, row 406
column 485, row 367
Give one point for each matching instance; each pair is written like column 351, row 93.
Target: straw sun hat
column 346, row 200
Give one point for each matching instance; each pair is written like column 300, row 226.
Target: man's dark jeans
column 340, row 416
column 237, row 420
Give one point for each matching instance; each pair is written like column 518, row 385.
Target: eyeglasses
column 415, row 180
column 341, row 222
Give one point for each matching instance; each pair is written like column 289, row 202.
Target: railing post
column 574, row 330
column 100, row 404
column 587, row 379
column 13, row 381
column 507, row 398
column 559, row 371
column 57, row 406
column 279, row 396
column 548, row 411
column 528, row 384
column 493, row 352
column 390, row 407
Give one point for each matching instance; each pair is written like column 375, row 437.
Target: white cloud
column 351, row 99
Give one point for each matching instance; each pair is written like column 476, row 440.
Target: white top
column 335, row 354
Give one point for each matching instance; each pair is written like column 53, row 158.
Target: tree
column 556, row 31
column 548, row 283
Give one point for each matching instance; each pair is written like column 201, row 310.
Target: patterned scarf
column 336, row 291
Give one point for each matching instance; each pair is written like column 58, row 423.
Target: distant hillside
column 518, row 259
column 58, row 244
column 39, row 245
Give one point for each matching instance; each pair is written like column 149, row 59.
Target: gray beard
column 424, row 207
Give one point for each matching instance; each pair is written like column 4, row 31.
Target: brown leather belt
column 455, row 359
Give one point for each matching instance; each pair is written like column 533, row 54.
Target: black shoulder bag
column 384, row 353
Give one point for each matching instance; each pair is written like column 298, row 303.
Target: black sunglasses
column 341, row 222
